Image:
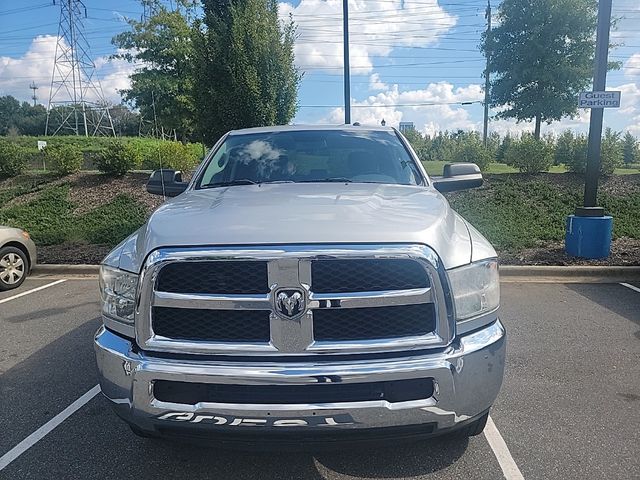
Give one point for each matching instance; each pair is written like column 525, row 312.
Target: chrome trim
column 467, row 376
column 386, row 298
column 290, row 267
column 211, row 302
column 118, row 326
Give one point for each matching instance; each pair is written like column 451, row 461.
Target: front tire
column 14, row 267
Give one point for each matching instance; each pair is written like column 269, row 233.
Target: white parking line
column 47, row 428
column 632, row 287
column 33, row 290
column 501, row 451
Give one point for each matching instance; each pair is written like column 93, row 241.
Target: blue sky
column 412, row 60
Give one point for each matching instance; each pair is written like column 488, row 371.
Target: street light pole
column 595, row 121
column 347, row 79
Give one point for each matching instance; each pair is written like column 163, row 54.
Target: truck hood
column 324, row 213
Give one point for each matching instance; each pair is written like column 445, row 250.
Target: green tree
column 244, row 67
column 502, row 148
column 541, row 56
column 162, row 42
column 631, row 149
column 565, row 146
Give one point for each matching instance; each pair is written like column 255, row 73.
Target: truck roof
column 296, row 128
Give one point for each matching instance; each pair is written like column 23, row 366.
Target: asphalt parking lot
column 569, row 406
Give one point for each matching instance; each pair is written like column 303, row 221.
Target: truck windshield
column 311, row 156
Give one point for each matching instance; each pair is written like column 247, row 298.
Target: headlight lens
column 475, row 288
column 118, row 293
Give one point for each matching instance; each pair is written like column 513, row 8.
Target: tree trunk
column 536, row 134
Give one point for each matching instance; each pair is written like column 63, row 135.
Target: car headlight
column 118, row 293
column 475, row 288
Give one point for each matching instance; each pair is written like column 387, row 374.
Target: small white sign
column 599, row 100
column 41, row 144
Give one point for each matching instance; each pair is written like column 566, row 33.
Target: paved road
column 569, row 408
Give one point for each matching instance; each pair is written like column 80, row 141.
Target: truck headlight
column 118, row 293
column 475, row 288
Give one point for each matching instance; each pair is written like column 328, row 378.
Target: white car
column 17, row 257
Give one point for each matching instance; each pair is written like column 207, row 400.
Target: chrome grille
column 383, row 312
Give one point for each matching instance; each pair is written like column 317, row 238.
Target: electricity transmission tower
column 76, row 102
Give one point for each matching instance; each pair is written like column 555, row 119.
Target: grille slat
column 222, row 277
column 392, row 391
column 370, row 323
column 366, row 275
column 212, row 325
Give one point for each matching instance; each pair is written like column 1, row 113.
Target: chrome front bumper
column 467, row 377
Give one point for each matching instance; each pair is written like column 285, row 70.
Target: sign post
column 588, row 232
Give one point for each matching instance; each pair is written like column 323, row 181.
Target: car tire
column 474, row 428
column 14, row 268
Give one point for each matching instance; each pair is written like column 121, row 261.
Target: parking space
column 569, row 407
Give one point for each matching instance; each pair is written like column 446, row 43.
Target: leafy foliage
column 162, row 88
column 630, row 149
column 174, row 155
column 471, row 150
column 541, row 53
column 12, row 160
column 118, row 158
column 611, row 153
column 244, row 67
column 64, row 159
column 529, row 155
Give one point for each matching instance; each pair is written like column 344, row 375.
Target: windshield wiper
column 330, row 179
column 230, row 183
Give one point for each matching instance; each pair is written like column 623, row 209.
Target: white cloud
column 376, row 27
column 631, row 67
column 377, row 85
column 36, row 65
column 434, row 108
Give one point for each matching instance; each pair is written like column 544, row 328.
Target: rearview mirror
column 458, row 176
column 166, row 182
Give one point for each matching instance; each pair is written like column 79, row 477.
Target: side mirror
column 166, row 182
column 458, row 176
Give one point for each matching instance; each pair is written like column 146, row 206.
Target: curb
column 568, row 274
column 67, row 270
column 508, row 273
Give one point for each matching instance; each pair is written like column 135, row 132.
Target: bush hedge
column 12, row 159
column 64, row 159
column 118, row 158
column 529, row 155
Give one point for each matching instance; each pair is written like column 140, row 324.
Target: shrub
column 12, row 159
column 565, row 146
column 530, row 155
column 64, row 159
column 118, row 158
column 472, row 151
column 174, row 155
column 611, row 153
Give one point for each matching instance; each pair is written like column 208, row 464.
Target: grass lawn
column 435, row 168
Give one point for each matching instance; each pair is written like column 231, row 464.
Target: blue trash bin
column 588, row 237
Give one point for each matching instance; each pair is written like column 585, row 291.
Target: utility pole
column 487, row 83
column 595, row 120
column 347, row 79
column 34, row 97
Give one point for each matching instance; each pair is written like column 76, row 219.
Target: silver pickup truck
column 308, row 285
